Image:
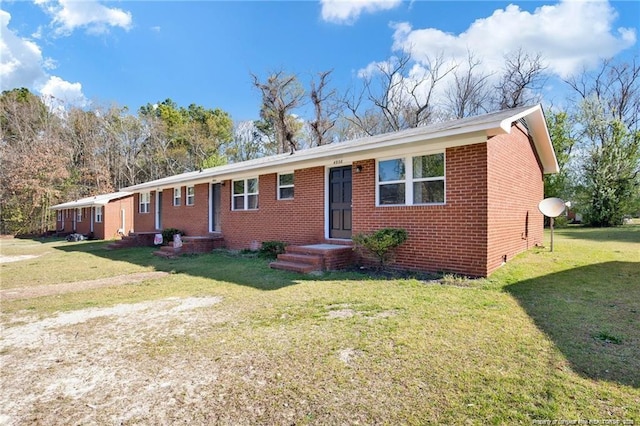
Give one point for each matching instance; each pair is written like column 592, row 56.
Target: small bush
column 168, row 233
column 271, row 249
column 560, row 222
column 381, row 243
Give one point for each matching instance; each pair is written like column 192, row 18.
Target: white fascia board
column 537, row 125
column 98, row 200
column 542, row 142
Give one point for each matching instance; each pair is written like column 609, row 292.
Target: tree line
column 52, row 153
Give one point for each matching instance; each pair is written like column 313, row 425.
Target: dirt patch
column 49, row 290
column 7, row 259
column 88, row 367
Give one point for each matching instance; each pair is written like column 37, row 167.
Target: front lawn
column 550, row 336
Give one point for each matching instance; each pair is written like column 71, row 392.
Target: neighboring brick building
column 102, row 217
column 466, row 191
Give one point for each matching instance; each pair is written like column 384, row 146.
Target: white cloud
column 22, row 65
column 559, row 32
column 94, row 17
column 21, row 59
column 348, row 11
column 63, row 91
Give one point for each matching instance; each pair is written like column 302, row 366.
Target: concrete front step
column 308, row 259
column 303, row 268
column 125, row 242
column 314, row 257
column 136, row 239
column 191, row 245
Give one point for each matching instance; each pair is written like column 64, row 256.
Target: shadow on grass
column 629, row 234
column 246, row 270
column 592, row 314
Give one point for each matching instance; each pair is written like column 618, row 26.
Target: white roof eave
column 98, row 200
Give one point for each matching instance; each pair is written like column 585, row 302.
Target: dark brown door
column 340, row 202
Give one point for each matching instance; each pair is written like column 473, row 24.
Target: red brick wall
column 193, row 220
column 145, row 222
column 111, row 220
column 450, row 237
column 297, row 221
column 515, row 189
column 84, row 226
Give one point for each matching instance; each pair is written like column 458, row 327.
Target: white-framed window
column 245, row 194
column 416, row 180
column 191, row 195
column 59, row 215
column 98, row 214
column 285, row 186
column 78, row 215
column 145, row 202
column 177, row 196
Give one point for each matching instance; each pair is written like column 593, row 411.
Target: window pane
column 253, row 202
column 392, row 193
column 286, row 179
column 252, row 186
column 428, row 166
column 390, row 170
column 238, row 187
column 428, row 192
column 286, row 193
column 238, row 203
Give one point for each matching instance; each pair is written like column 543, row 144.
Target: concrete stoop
column 125, row 241
column 191, row 245
column 314, row 257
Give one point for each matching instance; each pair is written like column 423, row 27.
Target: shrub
column 168, row 233
column 560, row 222
column 271, row 249
column 381, row 243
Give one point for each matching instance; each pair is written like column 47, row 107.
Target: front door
column 159, row 209
column 215, row 224
column 340, row 202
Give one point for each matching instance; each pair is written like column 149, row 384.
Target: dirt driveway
column 88, row 366
column 49, row 290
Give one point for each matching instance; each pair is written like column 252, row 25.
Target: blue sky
column 136, row 52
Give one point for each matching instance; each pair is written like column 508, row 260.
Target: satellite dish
column 552, row 207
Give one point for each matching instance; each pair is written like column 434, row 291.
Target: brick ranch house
column 466, row 191
column 103, row 216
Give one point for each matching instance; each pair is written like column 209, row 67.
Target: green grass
column 550, row 336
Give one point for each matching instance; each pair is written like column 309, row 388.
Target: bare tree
column 468, row 93
column 397, row 95
column 125, row 136
column 34, row 162
column 616, row 86
column 325, row 109
column 281, row 94
column 85, row 132
column 521, row 80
